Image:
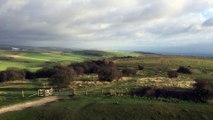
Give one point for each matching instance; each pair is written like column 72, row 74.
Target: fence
column 112, row 91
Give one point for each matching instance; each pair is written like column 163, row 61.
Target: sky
column 184, row 26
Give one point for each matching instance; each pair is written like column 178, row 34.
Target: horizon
column 194, row 54
column 184, row 26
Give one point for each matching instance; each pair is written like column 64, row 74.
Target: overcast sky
column 148, row 25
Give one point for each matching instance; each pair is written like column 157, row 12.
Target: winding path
column 22, row 106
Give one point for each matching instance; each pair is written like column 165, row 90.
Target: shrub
column 140, row 67
column 108, row 73
column 12, row 74
column 93, row 67
column 45, row 72
column 3, row 76
column 203, row 89
column 163, row 93
column 79, row 70
column 90, row 67
column 184, row 70
column 29, row 74
column 172, row 74
column 62, row 77
column 128, row 72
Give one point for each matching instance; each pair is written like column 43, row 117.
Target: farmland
column 104, row 100
column 35, row 59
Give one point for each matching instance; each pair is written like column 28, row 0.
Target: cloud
column 108, row 24
column 208, row 22
column 11, row 5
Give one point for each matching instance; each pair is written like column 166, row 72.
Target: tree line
column 61, row 75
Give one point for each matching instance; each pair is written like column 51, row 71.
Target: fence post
column 73, row 90
column 110, row 91
column 102, row 91
column 22, row 92
column 86, row 92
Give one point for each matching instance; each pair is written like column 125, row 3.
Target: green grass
column 11, row 93
column 34, row 60
column 33, row 66
column 114, row 108
column 5, row 64
column 159, row 65
column 105, row 53
column 51, row 57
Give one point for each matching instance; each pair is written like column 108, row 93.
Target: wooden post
column 86, row 92
column 102, row 91
column 110, row 91
column 22, row 92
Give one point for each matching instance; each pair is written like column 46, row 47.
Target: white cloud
column 12, row 5
column 111, row 23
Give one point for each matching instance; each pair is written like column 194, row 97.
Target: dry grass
column 160, row 82
column 18, row 81
column 76, row 84
column 166, row 82
column 3, row 93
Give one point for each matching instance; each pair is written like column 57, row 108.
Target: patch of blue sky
column 208, row 14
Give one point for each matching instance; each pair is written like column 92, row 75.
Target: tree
column 109, row 73
column 29, row 74
column 12, row 74
column 45, row 72
column 3, row 76
column 62, row 77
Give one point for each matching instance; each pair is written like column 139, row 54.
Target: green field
column 114, row 108
column 34, row 60
column 11, row 92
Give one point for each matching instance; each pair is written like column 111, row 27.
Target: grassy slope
column 34, row 60
column 159, row 65
column 104, row 108
column 5, row 64
column 105, row 53
column 114, row 108
column 11, row 93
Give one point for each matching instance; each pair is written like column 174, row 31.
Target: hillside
column 35, row 59
column 87, row 96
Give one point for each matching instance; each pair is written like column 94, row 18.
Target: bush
column 203, row 89
column 184, row 70
column 79, row 70
column 108, row 73
column 140, row 67
column 62, row 77
column 12, row 74
column 172, row 74
column 45, row 72
column 3, row 76
column 163, row 93
column 29, row 74
column 90, row 67
column 128, row 72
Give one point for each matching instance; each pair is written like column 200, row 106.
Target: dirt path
column 22, row 106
